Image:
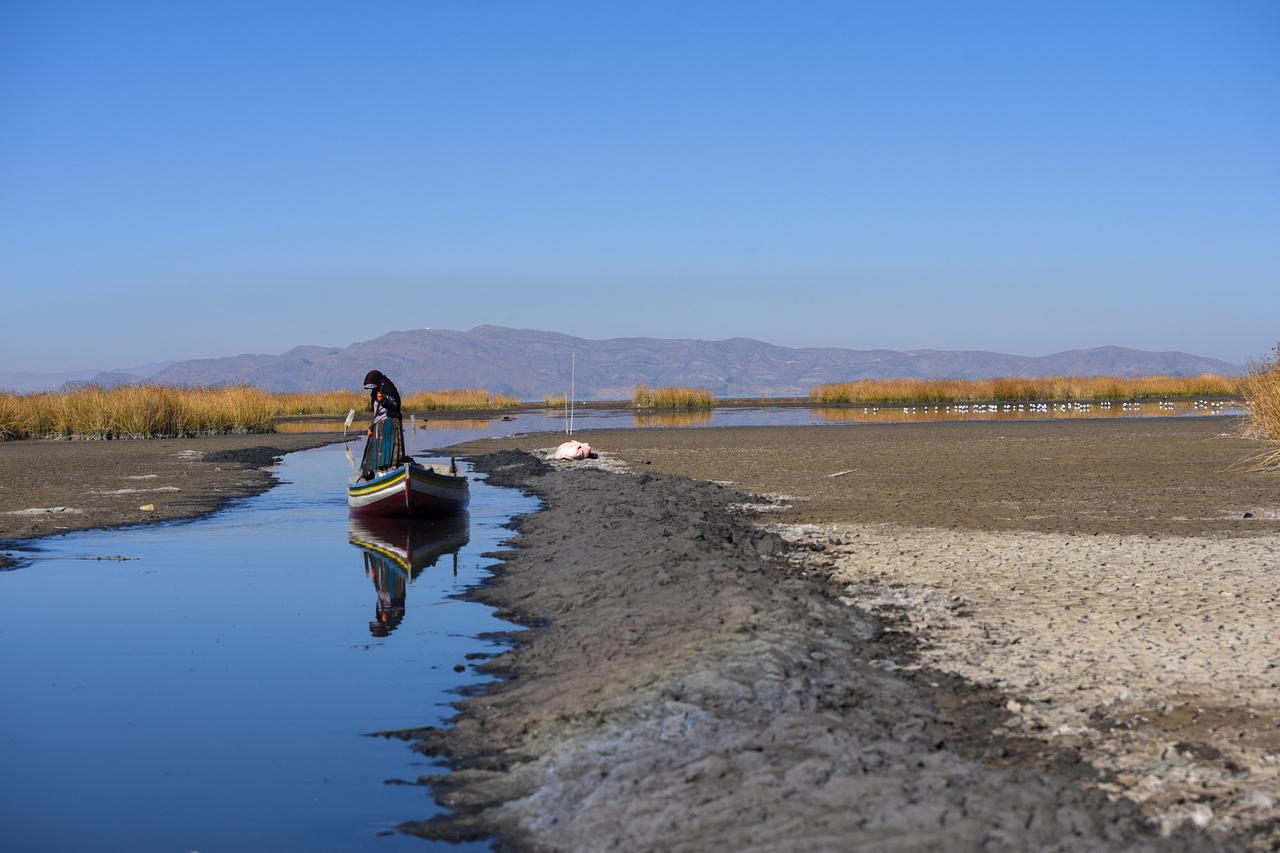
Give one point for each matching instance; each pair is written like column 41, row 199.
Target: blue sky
column 199, row 179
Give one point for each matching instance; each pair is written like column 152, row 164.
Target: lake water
column 443, row 431
column 211, row 693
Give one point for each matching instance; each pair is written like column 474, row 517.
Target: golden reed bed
column 1015, row 389
column 150, row 410
column 673, row 397
column 1260, row 387
column 143, row 410
column 1262, row 390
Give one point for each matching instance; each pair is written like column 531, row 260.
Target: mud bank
column 50, row 487
column 1174, row 477
column 682, row 688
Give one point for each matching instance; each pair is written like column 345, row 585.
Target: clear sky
column 183, row 179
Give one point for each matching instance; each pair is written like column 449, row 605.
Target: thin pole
column 573, row 378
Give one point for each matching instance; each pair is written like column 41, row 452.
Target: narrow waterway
column 211, row 691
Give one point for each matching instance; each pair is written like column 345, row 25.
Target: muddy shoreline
column 1140, row 476
column 53, row 487
column 1113, row 581
column 685, row 685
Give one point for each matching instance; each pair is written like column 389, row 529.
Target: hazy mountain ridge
column 530, row 364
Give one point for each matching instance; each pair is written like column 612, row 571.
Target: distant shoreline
column 721, row 403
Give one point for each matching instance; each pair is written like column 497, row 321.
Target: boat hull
column 410, row 491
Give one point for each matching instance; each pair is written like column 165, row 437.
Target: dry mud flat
column 1108, row 588
column 686, row 686
column 50, row 487
column 1120, row 580
column 1156, row 659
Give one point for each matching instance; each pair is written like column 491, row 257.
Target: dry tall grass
column 320, row 402
column 464, row 398
column 1018, row 389
column 1262, row 390
column 135, row 411
column 150, row 410
column 675, row 397
column 340, row 402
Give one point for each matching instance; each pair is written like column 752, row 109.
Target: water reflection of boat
column 395, row 551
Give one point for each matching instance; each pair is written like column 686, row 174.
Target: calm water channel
column 210, row 693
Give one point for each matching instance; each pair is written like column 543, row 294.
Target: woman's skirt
column 384, row 447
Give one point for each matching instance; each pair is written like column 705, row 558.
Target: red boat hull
column 410, row 491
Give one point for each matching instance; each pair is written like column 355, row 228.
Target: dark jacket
column 388, row 395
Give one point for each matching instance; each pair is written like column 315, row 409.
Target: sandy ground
column 50, row 487
column 1100, row 578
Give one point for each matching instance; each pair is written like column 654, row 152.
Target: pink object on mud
column 573, row 450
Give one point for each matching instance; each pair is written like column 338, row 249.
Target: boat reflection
column 395, row 551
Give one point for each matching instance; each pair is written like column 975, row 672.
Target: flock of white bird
column 1211, row 406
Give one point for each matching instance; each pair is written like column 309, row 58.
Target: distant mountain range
column 530, row 364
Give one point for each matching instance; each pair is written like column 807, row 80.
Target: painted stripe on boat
column 376, row 485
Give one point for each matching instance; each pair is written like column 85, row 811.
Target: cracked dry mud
column 682, row 688
column 1157, row 659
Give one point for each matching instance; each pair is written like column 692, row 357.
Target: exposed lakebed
column 210, row 692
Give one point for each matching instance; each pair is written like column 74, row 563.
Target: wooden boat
column 410, row 491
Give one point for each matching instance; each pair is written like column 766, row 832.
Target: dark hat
column 373, row 379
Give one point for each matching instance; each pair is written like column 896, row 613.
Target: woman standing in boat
column 384, row 447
